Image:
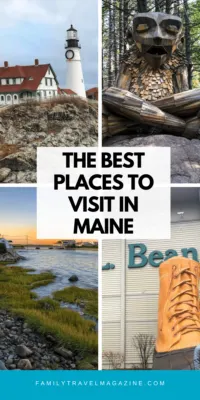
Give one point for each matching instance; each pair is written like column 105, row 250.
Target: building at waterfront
column 130, row 278
column 19, row 83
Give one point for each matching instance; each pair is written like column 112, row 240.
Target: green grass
column 77, row 295
column 45, row 315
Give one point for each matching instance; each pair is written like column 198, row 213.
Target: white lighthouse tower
column 75, row 79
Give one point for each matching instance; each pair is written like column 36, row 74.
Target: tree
column 117, row 18
column 144, row 346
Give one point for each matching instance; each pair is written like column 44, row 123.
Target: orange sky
column 26, row 234
column 18, row 216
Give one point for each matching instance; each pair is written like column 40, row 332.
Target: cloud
column 37, row 29
column 29, row 11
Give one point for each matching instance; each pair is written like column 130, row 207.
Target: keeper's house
column 131, row 277
column 19, row 83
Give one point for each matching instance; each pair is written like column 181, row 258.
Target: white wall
column 9, row 98
column 50, row 90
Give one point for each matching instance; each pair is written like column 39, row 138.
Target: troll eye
column 172, row 29
column 142, row 28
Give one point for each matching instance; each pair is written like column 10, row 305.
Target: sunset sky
column 18, row 215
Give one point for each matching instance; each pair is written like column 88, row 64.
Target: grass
column 77, row 295
column 45, row 315
column 76, row 101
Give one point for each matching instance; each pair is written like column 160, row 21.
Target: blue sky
column 37, row 29
column 17, row 206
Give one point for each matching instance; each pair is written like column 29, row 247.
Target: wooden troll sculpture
column 178, row 338
column 152, row 84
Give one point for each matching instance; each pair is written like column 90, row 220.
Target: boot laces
column 185, row 310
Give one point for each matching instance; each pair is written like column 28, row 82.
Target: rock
column 185, row 153
column 95, row 363
column 13, row 366
column 64, row 353
column 10, row 256
column 2, row 365
column 23, row 351
column 1, row 333
column 4, row 172
column 8, row 323
column 84, row 365
column 73, row 278
column 24, row 364
column 25, row 127
column 10, row 360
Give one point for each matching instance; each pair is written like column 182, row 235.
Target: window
column 15, row 97
column 51, row 81
column 46, row 81
column 21, row 95
column 8, row 97
column 50, row 93
column 45, row 93
column 7, row 81
column 2, row 98
column 14, row 81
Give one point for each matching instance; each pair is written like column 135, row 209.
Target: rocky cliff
column 58, row 123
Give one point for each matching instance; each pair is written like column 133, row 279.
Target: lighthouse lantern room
column 75, row 80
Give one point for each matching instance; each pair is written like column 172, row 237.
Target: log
column 130, row 106
column 181, row 104
column 192, row 129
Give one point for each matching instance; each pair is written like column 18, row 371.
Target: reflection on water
column 63, row 263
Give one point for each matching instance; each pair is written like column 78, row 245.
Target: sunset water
column 63, row 263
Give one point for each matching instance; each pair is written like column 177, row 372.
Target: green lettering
column 155, row 255
column 140, row 254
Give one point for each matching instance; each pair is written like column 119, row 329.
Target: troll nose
column 157, row 40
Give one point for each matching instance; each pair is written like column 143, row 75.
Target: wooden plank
column 128, row 105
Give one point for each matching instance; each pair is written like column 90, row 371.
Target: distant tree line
column 117, row 17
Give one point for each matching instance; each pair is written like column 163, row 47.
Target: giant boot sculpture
column 178, row 316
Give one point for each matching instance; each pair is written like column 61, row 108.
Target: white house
column 19, row 83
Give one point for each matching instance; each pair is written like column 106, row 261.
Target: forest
column 117, row 19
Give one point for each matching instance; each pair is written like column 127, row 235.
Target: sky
column 37, row 29
column 18, row 215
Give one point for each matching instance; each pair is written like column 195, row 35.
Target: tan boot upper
column 178, row 315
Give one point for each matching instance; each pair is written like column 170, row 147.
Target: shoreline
column 47, row 322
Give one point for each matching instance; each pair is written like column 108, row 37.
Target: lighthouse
column 75, row 79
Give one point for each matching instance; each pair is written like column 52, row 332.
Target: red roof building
column 67, row 92
column 18, row 83
column 92, row 93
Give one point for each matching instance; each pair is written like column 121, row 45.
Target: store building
column 130, row 277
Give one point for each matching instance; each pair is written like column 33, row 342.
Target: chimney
column 36, row 61
column 5, row 64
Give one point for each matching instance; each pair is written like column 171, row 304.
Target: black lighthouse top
column 72, row 38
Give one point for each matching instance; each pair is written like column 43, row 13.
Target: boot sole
column 183, row 359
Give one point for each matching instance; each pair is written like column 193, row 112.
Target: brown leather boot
column 178, row 315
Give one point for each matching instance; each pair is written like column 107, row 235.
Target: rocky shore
column 11, row 256
column 21, row 348
column 62, row 122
